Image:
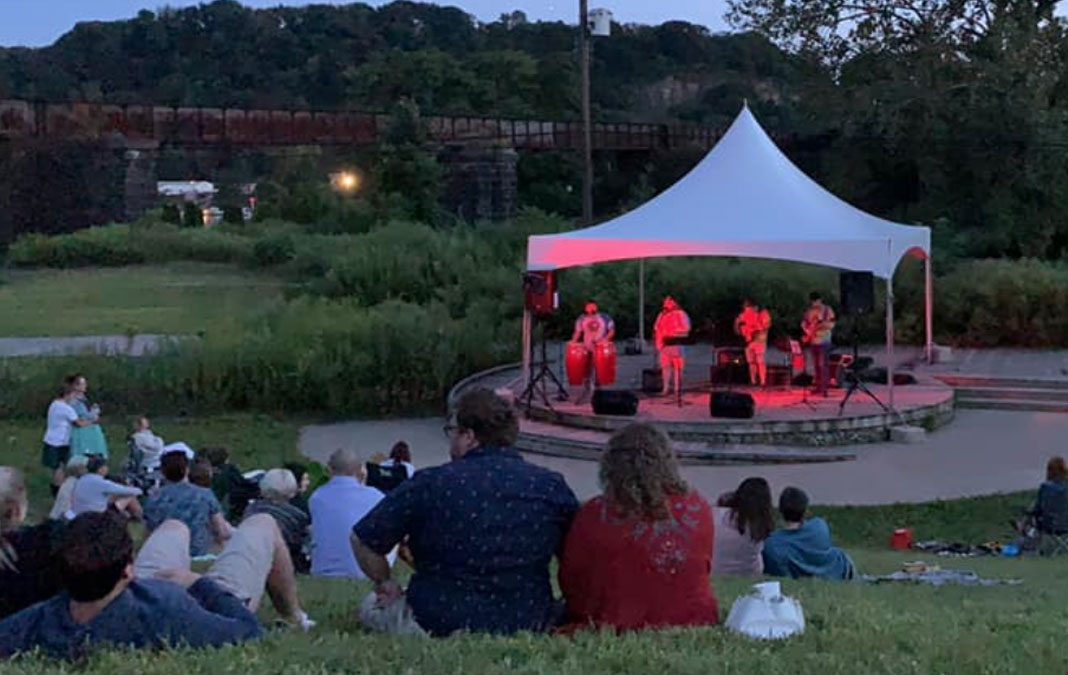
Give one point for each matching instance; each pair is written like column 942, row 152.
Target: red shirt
column 633, row 573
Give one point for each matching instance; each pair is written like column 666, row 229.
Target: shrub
column 1002, row 303
column 117, row 245
column 273, row 250
column 192, row 216
column 172, row 214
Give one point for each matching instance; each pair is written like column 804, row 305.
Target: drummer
column 591, row 328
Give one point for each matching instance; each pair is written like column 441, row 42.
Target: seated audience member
column 640, row 555
column 401, row 455
column 195, row 506
column 230, row 486
column 107, row 603
column 335, row 508
column 29, row 554
column 300, row 472
column 803, row 547
column 277, row 489
column 149, row 444
column 201, row 473
column 743, row 522
column 95, row 493
column 1050, row 512
column 76, row 468
column 482, row 529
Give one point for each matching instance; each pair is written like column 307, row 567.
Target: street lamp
column 345, row 181
column 597, row 23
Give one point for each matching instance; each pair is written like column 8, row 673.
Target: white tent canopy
column 745, row 199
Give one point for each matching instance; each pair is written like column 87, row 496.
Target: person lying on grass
column 803, row 547
column 154, row 602
column 482, row 530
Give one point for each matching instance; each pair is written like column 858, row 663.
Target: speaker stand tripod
column 540, row 380
column 856, row 384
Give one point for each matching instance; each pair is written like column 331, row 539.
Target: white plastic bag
column 766, row 614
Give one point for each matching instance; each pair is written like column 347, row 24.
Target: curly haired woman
column 640, row 555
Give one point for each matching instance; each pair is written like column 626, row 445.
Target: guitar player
column 753, row 325
column 817, row 328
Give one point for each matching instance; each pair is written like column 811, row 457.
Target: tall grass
column 328, row 357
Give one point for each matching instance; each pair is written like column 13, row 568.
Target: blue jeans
column 821, row 370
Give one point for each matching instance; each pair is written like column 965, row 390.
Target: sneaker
column 301, row 621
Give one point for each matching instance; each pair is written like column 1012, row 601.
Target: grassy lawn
column 852, row 628
column 171, row 299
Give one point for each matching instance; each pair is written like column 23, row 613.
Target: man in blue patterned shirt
column 482, row 531
column 195, row 506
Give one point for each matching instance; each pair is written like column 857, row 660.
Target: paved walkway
column 111, row 345
column 982, row 452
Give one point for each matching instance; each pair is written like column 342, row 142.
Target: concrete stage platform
column 801, row 431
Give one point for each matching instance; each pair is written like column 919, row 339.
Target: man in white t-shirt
column 335, row 508
column 55, row 449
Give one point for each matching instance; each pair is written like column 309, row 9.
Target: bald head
column 345, row 462
column 13, row 504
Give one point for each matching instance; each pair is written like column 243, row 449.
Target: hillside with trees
column 952, row 114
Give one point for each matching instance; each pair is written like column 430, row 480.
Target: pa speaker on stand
column 857, row 291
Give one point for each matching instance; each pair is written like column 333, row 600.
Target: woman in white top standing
column 55, row 450
column 401, row 455
column 744, row 519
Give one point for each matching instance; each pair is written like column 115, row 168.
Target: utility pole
column 587, row 125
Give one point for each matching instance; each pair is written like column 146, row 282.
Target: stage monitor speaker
column 857, row 290
column 539, row 292
column 615, row 402
column 731, row 404
column 779, row 376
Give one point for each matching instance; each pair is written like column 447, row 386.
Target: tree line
column 951, row 113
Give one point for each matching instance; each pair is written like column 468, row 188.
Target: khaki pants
column 242, row 567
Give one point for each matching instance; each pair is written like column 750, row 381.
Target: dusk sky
column 39, row 22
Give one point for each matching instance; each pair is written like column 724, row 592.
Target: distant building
column 202, row 193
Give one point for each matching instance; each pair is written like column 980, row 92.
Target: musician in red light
column 817, row 328
column 592, row 328
column 753, row 325
column 671, row 328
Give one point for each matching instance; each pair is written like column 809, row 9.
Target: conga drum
column 604, row 363
column 577, row 363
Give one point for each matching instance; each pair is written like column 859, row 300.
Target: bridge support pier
column 480, row 183
column 140, row 191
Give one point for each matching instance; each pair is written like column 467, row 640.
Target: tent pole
column 641, row 303
column 526, row 348
column 890, row 337
column 928, row 309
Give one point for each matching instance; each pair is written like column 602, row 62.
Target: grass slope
column 177, row 298
column 852, row 628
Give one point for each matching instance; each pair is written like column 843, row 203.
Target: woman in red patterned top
column 640, row 555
